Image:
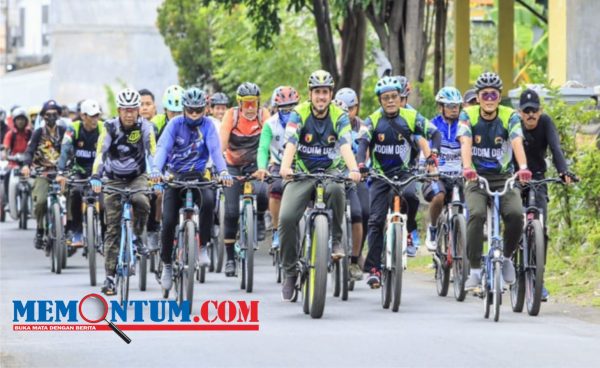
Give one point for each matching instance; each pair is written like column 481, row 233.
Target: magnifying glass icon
column 93, row 308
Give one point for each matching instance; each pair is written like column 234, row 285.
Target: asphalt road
column 427, row 331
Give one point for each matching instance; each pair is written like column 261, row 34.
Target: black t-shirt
column 536, row 144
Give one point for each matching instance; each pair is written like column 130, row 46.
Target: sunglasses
column 286, row 109
column 490, row 96
column 452, row 106
column 51, row 115
column 531, row 110
column 248, row 98
column 194, row 110
column 390, row 97
column 249, row 104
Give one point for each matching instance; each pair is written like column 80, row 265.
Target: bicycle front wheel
column 442, row 271
column 517, row 290
column 397, row 267
column 221, row 238
column 460, row 263
column 497, row 291
column 250, row 243
column 90, row 242
column 24, row 211
column 189, row 260
column 534, row 275
column 317, row 274
column 57, row 235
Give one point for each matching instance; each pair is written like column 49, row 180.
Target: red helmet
column 285, row 95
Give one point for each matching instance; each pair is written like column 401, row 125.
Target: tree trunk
column 353, row 35
column 415, row 42
column 325, row 37
column 438, row 48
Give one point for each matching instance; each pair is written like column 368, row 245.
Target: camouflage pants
column 39, row 194
column 113, row 210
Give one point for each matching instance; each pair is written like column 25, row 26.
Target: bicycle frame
column 246, row 197
column 453, row 208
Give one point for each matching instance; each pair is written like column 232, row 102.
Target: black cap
column 529, row 98
column 51, row 105
column 470, row 96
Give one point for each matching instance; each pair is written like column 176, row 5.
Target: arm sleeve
column 514, row 127
column 364, row 140
column 266, row 136
column 436, row 140
column 293, row 128
column 32, row 146
column 343, row 130
column 464, row 126
column 554, row 143
column 104, row 142
column 165, row 144
column 214, row 148
column 66, row 149
column 7, row 139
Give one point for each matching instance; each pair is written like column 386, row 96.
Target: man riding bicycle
column 42, row 153
column 79, row 147
column 316, row 134
column 240, row 137
column 389, row 138
column 540, row 134
column 15, row 140
column 449, row 102
column 184, row 148
column 125, row 146
column 270, row 150
column 490, row 134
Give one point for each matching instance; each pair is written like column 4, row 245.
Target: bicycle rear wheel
column 460, row 263
column 442, row 271
column 251, row 242
column 317, row 274
column 534, row 275
column 57, row 238
column 517, row 290
column 90, row 242
column 397, row 267
column 497, row 291
column 143, row 272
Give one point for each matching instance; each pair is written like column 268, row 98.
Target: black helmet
column 488, row 80
column 219, row 98
column 247, row 89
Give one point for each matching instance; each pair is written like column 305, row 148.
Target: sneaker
column 337, row 251
column 69, row 237
column 356, row 273
column 430, row 240
column 545, row 294
column 289, row 288
column 416, row 238
column 268, row 221
column 39, row 239
column 109, row 286
column 77, row 239
column 153, row 241
column 374, row 279
column 204, row 260
column 474, row 280
column 260, row 236
column 230, row 268
column 140, row 248
column 275, row 241
column 508, row 271
column 411, row 249
column 166, row 278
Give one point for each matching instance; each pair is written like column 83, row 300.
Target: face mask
column 284, row 117
column 51, row 119
column 191, row 122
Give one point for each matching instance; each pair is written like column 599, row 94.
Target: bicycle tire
column 24, row 211
column 386, row 276
column 336, row 278
column 497, row 291
column 460, row 266
column 250, row 242
column 201, row 274
column 345, row 262
column 58, row 244
column 221, row 238
column 143, row 272
column 487, row 300
column 190, row 257
column 517, row 290
column 535, row 276
column 278, row 268
column 126, row 269
column 319, row 262
column 90, row 242
column 397, row 268
column 211, row 255
column 442, row 271
column 2, row 203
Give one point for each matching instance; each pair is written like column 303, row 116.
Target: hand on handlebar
column 25, row 171
column 470, row 174
column 96, row 185
column 524, row 175
column 260, row 174
column 355, row 176
column 62, row 181
column 286, row 172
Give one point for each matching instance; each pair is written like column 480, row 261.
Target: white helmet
column 129, row 98
column 90, row 107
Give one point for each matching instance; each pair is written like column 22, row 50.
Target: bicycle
column 92, row 223
column 394, row 256
column 217, row 243
column 451, row 251
column 185, row 253
column 341, row 280
column 55, row 221
column 491, row 270
column 530, row 257
column 4, row 172
column 127, row 260
column 24, row 201
column 315, row 247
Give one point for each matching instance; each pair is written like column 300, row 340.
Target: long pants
column 40, row 194
column 114, row 209
column 232, row 202
column 511, row 210
column 172, row 201
column 381, row 198
column 296, row 195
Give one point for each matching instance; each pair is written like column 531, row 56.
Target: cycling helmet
column 219, row 98
column 341, row 104
column 129, row 98
column 194, row 97
column 19, row 111
column 172, row 98
column 405, row 85
column 387, row 84
column 348, row 96
column 247, row 89
column 90, row 108
column 285, row 95
column 448, row 95
column 488, row 80
column 320, row 78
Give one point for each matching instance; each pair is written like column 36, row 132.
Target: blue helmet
column 387, row 84
column 448, row 95
column 194, row 97
column 348, row 96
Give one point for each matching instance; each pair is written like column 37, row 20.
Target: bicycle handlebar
column 127, row 192
column 193, row 184
column 507, row 185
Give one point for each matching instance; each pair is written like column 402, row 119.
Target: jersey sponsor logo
column 477, row 139
column 134, row 136
column 316, row 150
column 179, row 141
column 381, row 137
column 331, row 139
column 401, row 139
column 498, row 140
column 80, row 144
column 488, row 152
column 85, row 154
column 308, row 138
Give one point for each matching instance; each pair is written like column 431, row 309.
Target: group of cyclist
column 471, row 136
